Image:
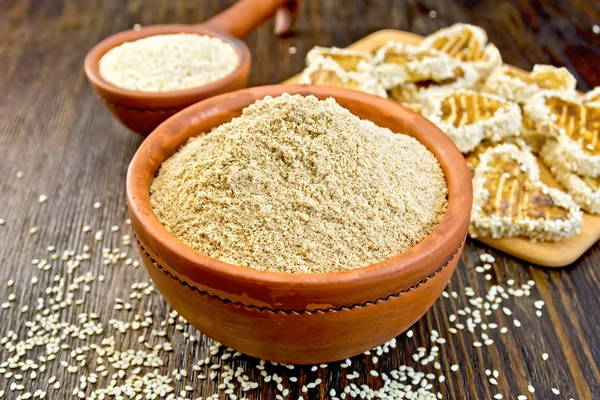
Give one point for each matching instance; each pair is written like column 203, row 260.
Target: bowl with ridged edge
column 298, row 318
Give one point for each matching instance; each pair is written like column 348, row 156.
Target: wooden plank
column 55, row 130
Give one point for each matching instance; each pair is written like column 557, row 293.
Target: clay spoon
column 144, row 111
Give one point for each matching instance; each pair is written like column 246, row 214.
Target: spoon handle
column 245, row 15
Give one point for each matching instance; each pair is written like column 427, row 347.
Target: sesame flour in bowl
column 300, row 185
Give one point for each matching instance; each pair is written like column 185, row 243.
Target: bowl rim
column 162, row 99
column 442, row 243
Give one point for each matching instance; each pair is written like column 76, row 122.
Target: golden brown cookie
column 468, row 44
column 469, row 117
column 349, row 60
column 520, row 86
column 464, row 77
column 585, row 190
column 472, row 158
column 510, row 200
column 397, row 63
column 574, row 126
column 327, row 72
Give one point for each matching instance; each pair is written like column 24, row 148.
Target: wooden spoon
column 144, row 111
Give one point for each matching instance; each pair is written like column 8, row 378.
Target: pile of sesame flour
column 300, row 185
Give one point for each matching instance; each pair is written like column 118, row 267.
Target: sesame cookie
column 469, row 117
column 465, row 77
column 575, row 128
column 349, row 60
column 472, row 158
column 325, row 71
column 510, row 200
column 397, row 63
column 520, row 86
column 468, row 44
column 584, row 190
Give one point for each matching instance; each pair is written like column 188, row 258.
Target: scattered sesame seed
column 127, row 367
column 292, row 50
column 555, row 391
column 42, row 198
column 531, row 389
column 596, row 29
column 539, row 304
column 517, row 323
column 433, row 14
column 97, row 205
column 2, row 221
column 19, row 175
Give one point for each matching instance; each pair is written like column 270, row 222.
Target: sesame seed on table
column 503, row 329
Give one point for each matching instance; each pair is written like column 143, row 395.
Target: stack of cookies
column 498, row 116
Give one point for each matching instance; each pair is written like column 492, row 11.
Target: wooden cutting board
column 549, row 254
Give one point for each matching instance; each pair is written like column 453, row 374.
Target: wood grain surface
column 68, row 147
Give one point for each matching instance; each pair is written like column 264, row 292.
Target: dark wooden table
column 56, row 133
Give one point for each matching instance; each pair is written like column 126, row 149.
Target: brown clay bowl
column 298, row 318
column 142, row 112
